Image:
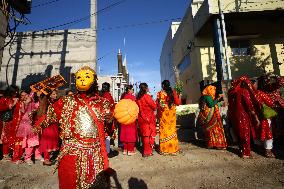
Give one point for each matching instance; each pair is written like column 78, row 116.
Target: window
column 240, row 48
column 184, row 64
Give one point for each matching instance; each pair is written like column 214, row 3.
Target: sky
column 123, row 26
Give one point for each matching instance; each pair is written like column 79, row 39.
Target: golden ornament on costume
column 126, row 111
column 85, row 77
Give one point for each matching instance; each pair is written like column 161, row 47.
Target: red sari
column 240, row 107
column 49, row 138
column 128, row 133
column 264, row 132
column 4, row 106
column 10, row 129
column 109, row 127
column 83, row 155
column 147, row 122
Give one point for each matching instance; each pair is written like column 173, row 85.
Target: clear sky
column 141, row 42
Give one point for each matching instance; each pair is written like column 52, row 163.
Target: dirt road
column 195, row 167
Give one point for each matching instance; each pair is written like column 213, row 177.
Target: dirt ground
column 195, row 167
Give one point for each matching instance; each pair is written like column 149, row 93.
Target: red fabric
column 129, row 146
column 109, row 127
column 11, row 127
column 4, row 104
column 264, row 132
column 108, row 96
column 240, row 106
column 68, row 164
column 49, row 139
column 1, row 126
column 100, row 127
column 146, row 117
column 128, row 133
column 18, row 152
column 177, row 101
column 46, row 155
column 67, row 172
column 148, row 144
column 6, row 149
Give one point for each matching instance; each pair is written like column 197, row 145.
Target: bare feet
column 131, row 153
column 47, row 163
column 269, row 154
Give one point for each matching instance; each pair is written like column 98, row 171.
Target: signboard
column 48, row 85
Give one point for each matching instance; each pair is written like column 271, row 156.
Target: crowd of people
column 81, row 124
column 255, row 113
column 20, row 140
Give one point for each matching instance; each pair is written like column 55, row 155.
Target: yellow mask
column 85, row 77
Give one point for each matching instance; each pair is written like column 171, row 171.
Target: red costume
column 128, row 133
column 147, row 122
column 264, row 132
column 9, row 133
column 49, row 138
column 4, row 106
column 83, row 153
column 109, row 127
column 240, row 107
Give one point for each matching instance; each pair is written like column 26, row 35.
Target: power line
column 140, row 24
column 84, row 18
column 115, row 27
column 46, row 3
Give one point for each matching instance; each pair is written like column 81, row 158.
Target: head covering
column 209, row 91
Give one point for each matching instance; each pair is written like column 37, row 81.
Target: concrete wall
column 229, row 6
column 34, row 56
column 3, row 28
column 166, row 65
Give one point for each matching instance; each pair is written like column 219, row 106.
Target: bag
column 268, row 112
column 7, row 116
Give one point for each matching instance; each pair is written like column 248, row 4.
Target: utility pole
column 228, row 67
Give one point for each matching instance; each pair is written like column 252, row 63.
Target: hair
column 166, row 86
column 93, row 89
column 261, row 83
column 127, row 89
column 35, row 97
column 143, row 90
column 105, row 87
column 68, row 91
column 11, row 91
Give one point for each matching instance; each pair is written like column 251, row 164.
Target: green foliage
column 179, row 87
column 251, row 65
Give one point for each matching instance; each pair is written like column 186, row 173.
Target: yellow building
column 252, row 30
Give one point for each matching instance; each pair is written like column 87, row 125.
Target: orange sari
column 210, row 120
column 167, row 122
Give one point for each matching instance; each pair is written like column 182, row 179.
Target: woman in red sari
column 128, row 133
column 109, row 127
column 264, row 133
column 49, row 138
column 146, row 119
column 242, row 113
column 5, row 104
